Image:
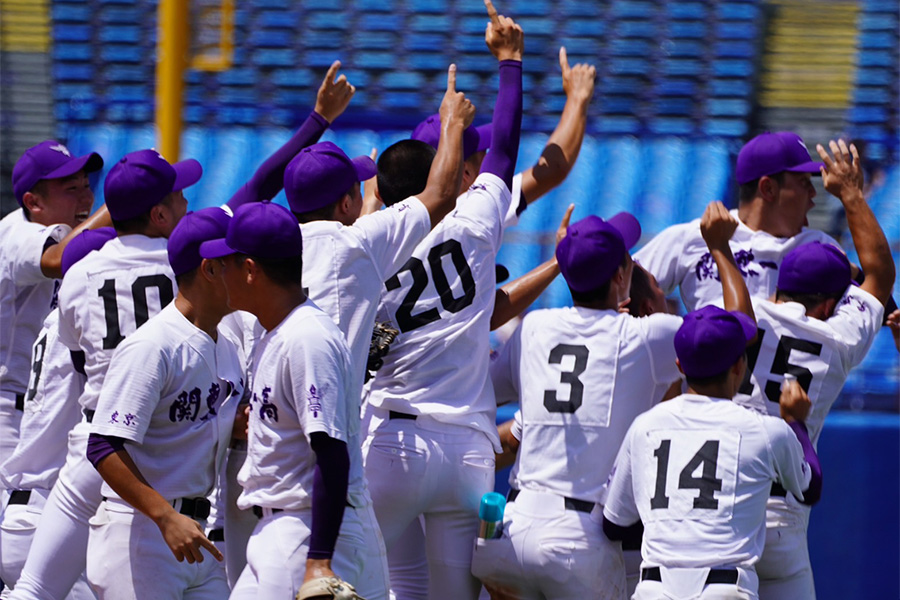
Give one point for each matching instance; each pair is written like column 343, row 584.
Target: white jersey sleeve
column 662, row 256
column 505, row 369
column 517, row 204
column 393, row 233
column 620, row 507
column 790, row 466
column 856, row 321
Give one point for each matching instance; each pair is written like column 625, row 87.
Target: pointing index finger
column 332, row 71
column 451, row 78
column 563, row 60
column 492, row 12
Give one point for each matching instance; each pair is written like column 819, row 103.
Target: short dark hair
column 325, row 213
column 600, row 293
column 186, row 278
column 809, row 301
column 133, row 225
column 747, row 191
column 712, row 380
column 640, row 290
column 285, row 272
column 403, row 170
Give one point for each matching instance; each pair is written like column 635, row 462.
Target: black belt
column 399, row 415
column 20, row 402
column 196, row 508
column 88, row 415
column 571, row 503
column 777, row 490
column 217, row 535
column 729, row 576
column 258, row 511
column 20, row 497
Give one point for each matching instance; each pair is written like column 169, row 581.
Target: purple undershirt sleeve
column 268, row 179
column 100, row 446
column 812, row 494
column 329, row 497
column 507, row 124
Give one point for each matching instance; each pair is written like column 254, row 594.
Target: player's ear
column 678, row 364
column 32, row 202
column 210, row 269
column 767, row 188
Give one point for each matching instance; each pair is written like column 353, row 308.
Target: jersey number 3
column 576, row 388
column 139, row 297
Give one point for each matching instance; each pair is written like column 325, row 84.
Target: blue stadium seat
column 294, row 78
column 122, row 34
column 871, row 40
column 725, row 127
column 733, row 49
column 645, row 29
column 70, row 13
column 680, row 106
column 437, row 23
column 676, row 87
column 270, row 57
column 732, row 68
column 275, row 19
column 874, row 76
column 683, row 67
column 624, row 9
column 629, row 66
column 277, row 38
column 683, row 48
column 427, row 42
column 382, row 22
column 877, row 58
column 729, row 87
column 686, row 10
column 120, row 53
column 127, row 74
column 72, row 52
column 124, row 15
column 727, row 107
column 402, row 101
column 671, row 126
column 73, row 33
column 868, row 114
column 738, row 11
column 74, row 72
column 695, row 30
column 574, row 9
column 399, row 80
column 631, row 47
column 428, row 62
column 327, row 20
column 736, row 31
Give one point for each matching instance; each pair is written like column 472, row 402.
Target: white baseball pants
column 423, row 467
column 690, row 585
column 550, row 551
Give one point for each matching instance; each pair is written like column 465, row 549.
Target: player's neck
column 721, row 390
column 757, row 216
column 203, row 318
column 279, row 303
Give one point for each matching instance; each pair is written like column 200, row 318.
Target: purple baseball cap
column 194, row 229
column 814, row 268
column 593, row 249
column 475, row 139
column 712, row 339
column 321, row 174
column 770, row 153
column 142, row 179
column 83, row 243
column 49, row 160
column 259, row 229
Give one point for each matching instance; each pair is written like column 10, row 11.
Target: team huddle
column 194, row 404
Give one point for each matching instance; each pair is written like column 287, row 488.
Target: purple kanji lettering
column 743, row 258
column 130, row 419
column 314, row 400
column 186, row 406
column 706, row 268
column 114, row 418
column 267, row 409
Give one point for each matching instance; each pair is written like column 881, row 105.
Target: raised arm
column 444, row 177
column 717, row 226
column 506, row 42
column 331, row 101
column 843, row 178
column 561, row 151
column 513, row 298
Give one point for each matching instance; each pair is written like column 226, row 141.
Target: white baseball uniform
column 51, row 411
column 820, row 354
column 678, row 257
column 104, row 297
column 26, row 298
column 439, row 460
column 697, row 472
column 302, row 383
column 581, row 376
column 171, row 392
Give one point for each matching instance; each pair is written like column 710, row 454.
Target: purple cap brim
column 810, row 167
column 187, row 173
column 89, row 163
column 628, row 226
column 365, row 167
column 216, row 249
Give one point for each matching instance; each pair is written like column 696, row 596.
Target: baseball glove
column 327, row 588
column 383, row 336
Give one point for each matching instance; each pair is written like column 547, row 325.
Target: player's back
column 678, row 257
column 441, row 300
column 702, row 470
column 109, row 294
column 26, row 295
column 582, row 376
column 820, row 354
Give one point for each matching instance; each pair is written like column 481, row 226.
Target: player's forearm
column 510, row 445
column 126, row 480
column 734, row 288
column 445, row 175
column 871, row 246
column 330, row 483
column 811, row 494
column 268, row 179
column 513, row 298
column 507, row 124
column 51, row 259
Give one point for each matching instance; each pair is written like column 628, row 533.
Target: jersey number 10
column 139, row 298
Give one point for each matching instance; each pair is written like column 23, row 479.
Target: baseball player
column 104, row 298
column 696, row 470
column 55, row 199
column 303, row 475
column 51, row 411
column 817, row 328
column 776, row 193
column 431, row 442
column 163, row 422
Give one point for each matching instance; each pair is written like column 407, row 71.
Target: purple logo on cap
column 261, row 229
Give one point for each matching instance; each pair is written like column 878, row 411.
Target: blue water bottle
column 491, row 515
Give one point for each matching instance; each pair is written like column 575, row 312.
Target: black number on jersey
column 139, row 298
column 707, row 483
column 406, row 320
column 780, row 364
column 576, row 388
column 37, row 365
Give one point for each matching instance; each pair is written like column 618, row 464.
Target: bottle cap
column 492, row 505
